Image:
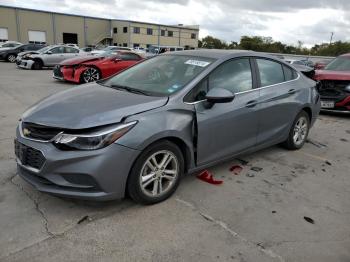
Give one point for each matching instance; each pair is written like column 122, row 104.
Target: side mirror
column 219, row 95
column 49, row 52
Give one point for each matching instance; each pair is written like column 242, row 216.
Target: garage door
column 3, row 34
column 37, row 37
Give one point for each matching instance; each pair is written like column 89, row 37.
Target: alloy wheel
column 12, row 58
column 300, row 131
column 91, row 74
column 159, row 173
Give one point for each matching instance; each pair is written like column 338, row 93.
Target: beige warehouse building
column 29, row 25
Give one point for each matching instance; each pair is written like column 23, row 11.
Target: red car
column 321, row 64
column 334, row 85
column 91, row 68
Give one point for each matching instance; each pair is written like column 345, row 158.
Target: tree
column 213, row 43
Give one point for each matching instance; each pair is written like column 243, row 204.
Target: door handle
column 291, row 92
column 251, row 103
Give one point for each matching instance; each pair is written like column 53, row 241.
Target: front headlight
column 94, row 140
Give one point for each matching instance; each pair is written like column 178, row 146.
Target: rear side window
column 270, row 72
column 71, row 50
column 289, row 74
column 129, row 56
column 234, row 75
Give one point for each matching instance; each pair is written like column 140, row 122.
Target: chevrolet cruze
column 138, row 132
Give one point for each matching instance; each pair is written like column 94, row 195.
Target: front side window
column 161, row 75
column 234, row 75
column 270, row 72
column 57, row 50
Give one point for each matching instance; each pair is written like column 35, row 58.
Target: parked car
column 334, row 85
column 154, row 50
column 11, row 54
column 9, row 44
column 321, row 64
column 110, row 49
column 49, row 57
column 142, row 129
column 27, row 53
column 303, row 62
column 91, row 68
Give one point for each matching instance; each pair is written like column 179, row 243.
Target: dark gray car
column 139, row 131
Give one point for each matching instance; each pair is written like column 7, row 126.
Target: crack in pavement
column 37, row 208
column 226, row 228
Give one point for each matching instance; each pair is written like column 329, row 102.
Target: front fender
column 161, row 124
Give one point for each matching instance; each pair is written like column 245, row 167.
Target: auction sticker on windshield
column 197, row 63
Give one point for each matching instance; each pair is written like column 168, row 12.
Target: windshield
column 161, row 75
column 341, row 63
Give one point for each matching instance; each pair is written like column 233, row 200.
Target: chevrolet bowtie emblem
column 26, row 132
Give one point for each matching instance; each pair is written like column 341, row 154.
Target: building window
column 148, row 45
column 136, row 30
column 115, row 30
column 125, row 29
column 125, row 44
column 162, row 32
column 170, row 33
column 136, row 45
column 115, row 44
column 193, row 36
column 149, row 31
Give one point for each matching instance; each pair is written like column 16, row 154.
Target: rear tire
column 38, row 65
column 298, row 132
column 156, row 173
column 11, row 58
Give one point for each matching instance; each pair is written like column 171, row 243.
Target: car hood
column 79, row 60
column 88, row 106
column 27, row 52
column 332, row 75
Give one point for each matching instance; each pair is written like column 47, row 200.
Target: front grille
column 39, row 132
column 29, row 156
column 333, row 90
column 57, row 71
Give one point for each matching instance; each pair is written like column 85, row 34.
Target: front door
column 229, row 128
column 55, row 56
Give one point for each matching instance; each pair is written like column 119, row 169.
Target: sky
column 288, row 21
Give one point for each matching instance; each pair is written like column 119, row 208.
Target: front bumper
column 91, row 175
column 72, row 74
column 25, row 64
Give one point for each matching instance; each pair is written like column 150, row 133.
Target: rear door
column 229, row 128
column 278, row 100
column 70, row 52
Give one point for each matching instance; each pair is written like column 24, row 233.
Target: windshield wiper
column 131, row 90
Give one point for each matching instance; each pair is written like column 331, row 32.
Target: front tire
column 38, row 65
column 156, row 173
column 91, row 74
column 298, row 132
column 11, row 58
